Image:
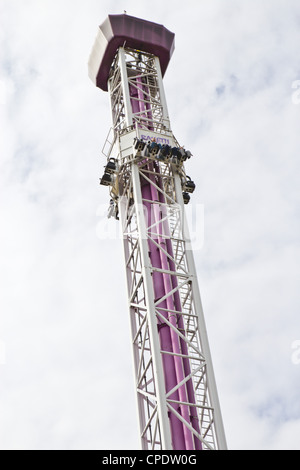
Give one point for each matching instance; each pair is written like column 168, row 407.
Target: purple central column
column 177, row 303
column 175, row 367
column 178, row 439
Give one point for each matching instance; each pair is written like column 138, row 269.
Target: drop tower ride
column 178, row 405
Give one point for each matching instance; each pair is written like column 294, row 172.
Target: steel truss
column 153, row 221
column 143, row 82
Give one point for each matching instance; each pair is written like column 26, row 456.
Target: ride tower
column 178, row 405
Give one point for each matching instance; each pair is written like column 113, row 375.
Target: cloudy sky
column 233, row 92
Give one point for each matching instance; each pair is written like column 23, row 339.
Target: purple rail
column 175, row 367
column 178, row 308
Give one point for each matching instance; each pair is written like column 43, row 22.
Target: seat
column 106, row 179
column 111, row 166
column 139, row 145
column 153, row 148
column 164, row 153
column 189, row 186
column 186, row 197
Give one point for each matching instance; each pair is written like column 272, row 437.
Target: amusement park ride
column 178, row 405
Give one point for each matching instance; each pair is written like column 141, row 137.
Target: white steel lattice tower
column 177, row 397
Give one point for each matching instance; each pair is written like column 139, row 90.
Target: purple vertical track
column 178, row 308
column 171, row 316
column 175, row 367
column 178, row 440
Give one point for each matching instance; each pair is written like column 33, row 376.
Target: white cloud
column 62, row 384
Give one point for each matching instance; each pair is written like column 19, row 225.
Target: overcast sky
column 233, row 92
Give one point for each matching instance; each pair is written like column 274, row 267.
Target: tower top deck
column 124, row 30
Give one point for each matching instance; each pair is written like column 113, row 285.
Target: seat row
column 162, row 152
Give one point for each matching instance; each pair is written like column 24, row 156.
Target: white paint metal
column 154, row 404
column 203, row 337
